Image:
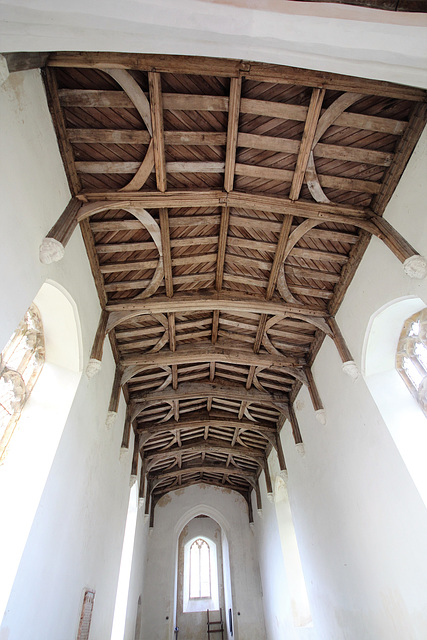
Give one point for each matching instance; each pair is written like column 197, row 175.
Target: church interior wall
column 159, row 594
column 360, row 522
column 76, row 536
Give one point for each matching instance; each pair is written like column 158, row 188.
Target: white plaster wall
column 76, row 537
column 161, row 555
column 384, row 45
column 360, row 522
column 137, row 576
column 276, row 584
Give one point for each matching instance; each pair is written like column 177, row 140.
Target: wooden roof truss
column 225, row 206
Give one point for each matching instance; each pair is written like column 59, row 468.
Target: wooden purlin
column 231, row 143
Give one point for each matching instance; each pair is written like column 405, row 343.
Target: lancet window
column 200, row 569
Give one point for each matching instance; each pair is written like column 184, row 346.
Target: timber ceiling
column 225, row 206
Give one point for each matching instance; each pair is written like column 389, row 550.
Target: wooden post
column 115, row 397
column 94, row 364
column 153, row 504
column 52, row 248
column 250, row 510
column 280, row 454
column 414, row 265
column 147, row 498
column 126, row 430
column 268, row 480
column 258, row 499
column 141, row 484
column 315, row 397
column 135, row 457
column 348, row 365
column 295, row 426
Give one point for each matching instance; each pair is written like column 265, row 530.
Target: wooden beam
column 126, row 430
column 403, row 152
column 222, row 244
column 314, row 393
column 25, row 60
column 232, row 131
column 53, row 246
column 188, row 354
column 280, row 454
column 209, row 419
column 278, row 257
column 215, row 325
column 207, row 446
column 295, row 426
column 187, row 102
column 225, row 301
column 267, row 477
column 167, row 258
column 98, row 343
column 135, row 457
column 115, row 392
column 172, row 331
column 65, row 147
column 156, row 103
column 321, row 150
column 285, row 175
column 209, row 390
column 340, row 343
column 157, row 477
column 258, row 71
column 239, row 200
column 313, row 115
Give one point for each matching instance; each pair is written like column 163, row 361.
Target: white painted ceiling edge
column 363, row 42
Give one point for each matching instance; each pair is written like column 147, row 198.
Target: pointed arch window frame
column 197, row 586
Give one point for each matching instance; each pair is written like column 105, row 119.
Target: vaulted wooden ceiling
column 225, row 206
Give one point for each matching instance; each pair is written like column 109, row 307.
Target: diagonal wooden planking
column 246, row 231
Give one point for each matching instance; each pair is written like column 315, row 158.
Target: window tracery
column 21, row 362
column 200, row 569
column 411, row 356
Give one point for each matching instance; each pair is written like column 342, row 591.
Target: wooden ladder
column 215, row 626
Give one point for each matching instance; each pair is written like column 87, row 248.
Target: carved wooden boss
column 225, row 206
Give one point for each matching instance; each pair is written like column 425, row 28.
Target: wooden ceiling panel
column 258, row 187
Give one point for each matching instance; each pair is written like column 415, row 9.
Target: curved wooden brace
column 266, row 342
column 325, row 121
column 147, row 221
column 161, row 343
column 248, row 415
column 167, row 417
column 256, row 382
column 297, row 234
column 283, row 289
column 135, row 93
column 161, row 319
column 142, row 105
column 145, row 168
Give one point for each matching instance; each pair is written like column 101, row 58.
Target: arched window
column 411, row 356
column 395, row 396
column 21, row 362
column 200, row 569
